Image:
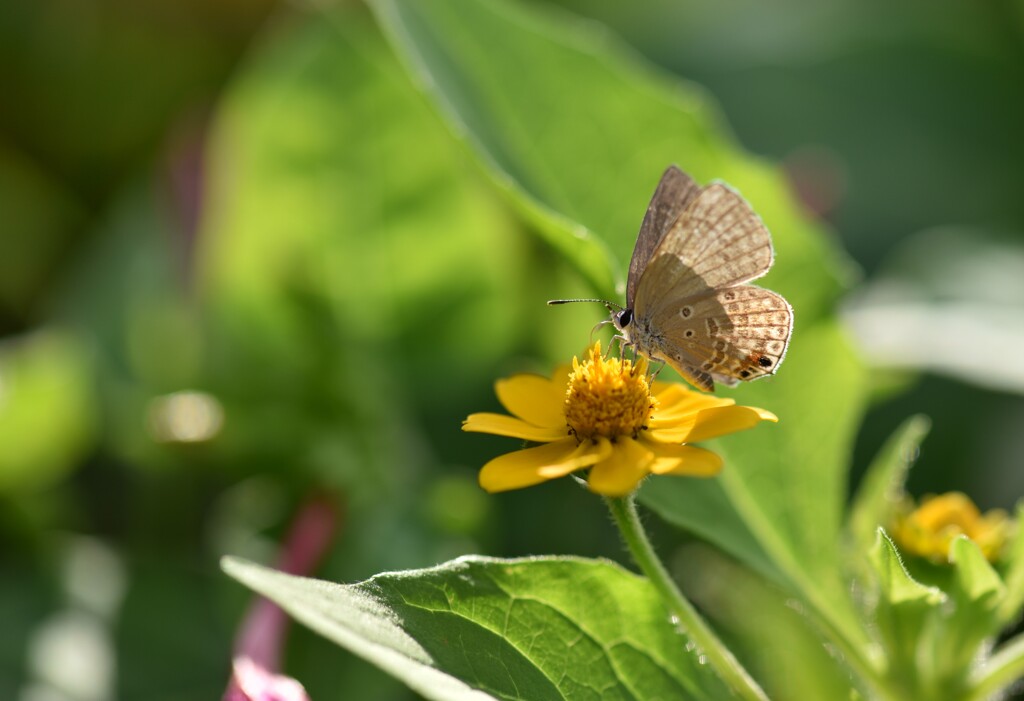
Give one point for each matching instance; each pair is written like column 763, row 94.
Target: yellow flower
column 928, row 530
column 606, row 416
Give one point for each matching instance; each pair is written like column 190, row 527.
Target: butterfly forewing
column 675, row 191
column 719, row 238
column 667, row 277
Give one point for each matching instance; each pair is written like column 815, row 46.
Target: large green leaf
column 784, row 485
column 333, row 185
column 773, row 638
column 578, row 131
column 479, row 628
column 786, row 481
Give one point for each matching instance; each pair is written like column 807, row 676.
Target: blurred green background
column 244, row 261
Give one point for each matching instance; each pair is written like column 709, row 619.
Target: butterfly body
column 688, row 301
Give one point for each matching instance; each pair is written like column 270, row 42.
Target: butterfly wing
column 675, row 191
column 720, row 239
column 690, row 304
column 728, row 335
column 692, row 307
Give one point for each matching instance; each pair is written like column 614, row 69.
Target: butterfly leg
column 596, row 327
column 661, row 366
column 623, row 342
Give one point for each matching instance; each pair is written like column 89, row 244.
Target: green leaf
column 976, row 591
column 705, row 507
column 978, row 582
column 1003, row 670
column 577, row 131
column 882, row 486
column 904, row 605
column 769, row 633
column 1014, row 577
column 896, row 586
column 784, row 483
column 480, row 628
column 333, row 186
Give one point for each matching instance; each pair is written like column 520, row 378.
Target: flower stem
column 725, row 664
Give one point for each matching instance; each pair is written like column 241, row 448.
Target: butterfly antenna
column 610, row 306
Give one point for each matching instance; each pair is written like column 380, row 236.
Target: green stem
column 1001, row 670
column 722, row 660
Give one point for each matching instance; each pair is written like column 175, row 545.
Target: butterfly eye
column 624, row 317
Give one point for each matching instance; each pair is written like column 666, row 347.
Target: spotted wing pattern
column 675, row 191
column 727, row 335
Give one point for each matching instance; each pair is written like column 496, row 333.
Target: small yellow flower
column 928, row 530
column 605, row 415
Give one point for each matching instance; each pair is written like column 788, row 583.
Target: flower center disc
column 608, row 398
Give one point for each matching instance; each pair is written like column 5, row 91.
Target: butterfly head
column 622, row 318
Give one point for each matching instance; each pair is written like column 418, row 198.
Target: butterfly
column 688, row 303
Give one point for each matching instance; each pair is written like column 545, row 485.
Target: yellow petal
column 684, row 460
column 765, row 414
column 533, row 398
column 706, row 424
column 622, row 471
column 501, row 425
column 525, row 468
column 674, row 398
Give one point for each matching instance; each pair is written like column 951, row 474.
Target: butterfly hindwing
column 732, row 334
column 675, row 191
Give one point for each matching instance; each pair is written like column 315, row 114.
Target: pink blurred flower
column 251, row 682
column 262, row 633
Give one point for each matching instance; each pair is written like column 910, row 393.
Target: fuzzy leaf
column 480, row 628
column 904, row 605
column 897, row 587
